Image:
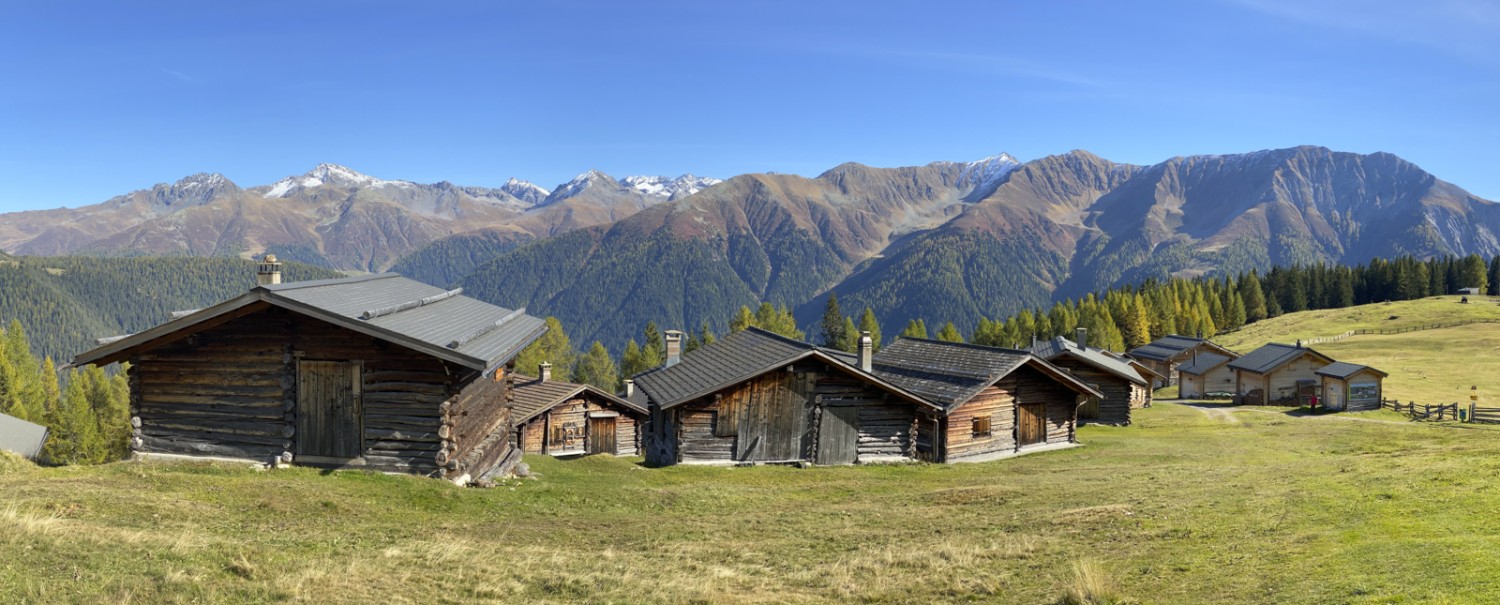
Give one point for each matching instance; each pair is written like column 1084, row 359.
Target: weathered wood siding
column 1119, row 394
column 570, row 417
column 998, row 403
column 1282, row 382
column 1033, row 386
column 1251, row 387
column 1140, row 396
column 232, row 390
column 1335, row 392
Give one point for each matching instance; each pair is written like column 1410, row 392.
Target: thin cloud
column 1000, row 65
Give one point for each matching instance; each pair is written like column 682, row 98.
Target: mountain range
column 945, row 241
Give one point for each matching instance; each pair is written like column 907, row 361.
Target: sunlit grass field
column 1184, row 506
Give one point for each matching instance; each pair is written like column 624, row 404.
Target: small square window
column 982, row 426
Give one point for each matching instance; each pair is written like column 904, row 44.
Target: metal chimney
column 866, row 352
column 1082, row 338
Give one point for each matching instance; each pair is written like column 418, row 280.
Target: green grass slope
column 1185, row 506
column 1426, row 366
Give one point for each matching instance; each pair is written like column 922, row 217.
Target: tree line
column 86, row 412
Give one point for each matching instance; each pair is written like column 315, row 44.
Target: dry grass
column 1091, row 586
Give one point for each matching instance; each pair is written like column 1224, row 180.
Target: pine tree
column 742, row 319
column 1494, row 277
column 850, row 340
column 632, row 362
column 915, row 328
column 705, row 335
column 950, row 333
column 596, row 368
column 868, row 323
column 553, row 347
column 1253, row 297
column 833, row 324
column 653, row 347
column 1472, row 274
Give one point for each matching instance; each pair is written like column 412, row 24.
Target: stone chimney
column 268, row 272
column 674, row 346
column 544, row 371
column 1082, row 338
column 1033, row 342
column 629, row 388
column 866, row 352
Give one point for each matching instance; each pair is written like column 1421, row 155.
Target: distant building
column 1123, row 385
column 1470, row 291
column 1165, row 354
column 1278, row 374
column 1351, row 387
column 22, row 437
column 560, row 418
column 1203, row 374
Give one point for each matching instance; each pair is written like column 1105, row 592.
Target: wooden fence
column 1386, row 331
column 1426, row 411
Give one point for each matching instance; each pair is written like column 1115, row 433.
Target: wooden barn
column 1278, row 374
column 377, row 372
column 1351, row 387
column 1124, row 387
column 1205, row 375
column 1164, row 355
column 559, row 418
column 754, row 396
column 994, row 402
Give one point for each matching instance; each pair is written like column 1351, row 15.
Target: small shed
column 1351, row 387
column 22, row 437
column 377, row 371
column 560, row 418
column 993, row 402
column 1205, row 375
column 1278, row 374
column 1164, row 355
column 1470, row 291
column 1124, row 388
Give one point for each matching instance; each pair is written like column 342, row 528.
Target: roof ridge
column 786, row 339
column 298, row 285
column 963, row 344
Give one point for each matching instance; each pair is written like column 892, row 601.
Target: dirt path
column 1218, row 413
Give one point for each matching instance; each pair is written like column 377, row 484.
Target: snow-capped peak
column 330, row 174
column 988, row 172
column 525, row 191
column 579, row 183
column 660, row 186
column 205, row 180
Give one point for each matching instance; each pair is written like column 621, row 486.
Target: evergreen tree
column 596, row 368
column 915, row 328
column 950, row 333
column 632, row 361
column 1473, row 274
column 553, row 347
column 1494, row 277
column 850, row 339
column 833, row 333
column 705, row 335
column 653, row 347
column 742, row 319
column 868, row 323
column 1254, row 298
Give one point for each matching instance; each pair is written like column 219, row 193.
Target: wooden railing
column 1425, row 411
column 1387, row 331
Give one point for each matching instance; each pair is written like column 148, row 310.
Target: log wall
column 1119, row 393
column 998, row 402
column 231, row 390
column 535, row 432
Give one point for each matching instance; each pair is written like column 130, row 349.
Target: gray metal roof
column 1058, row 346
column 1200, row 365
column 428, row 319
column 1270, row 357
column 1341, row 370
column 22, row 437
column 1171, row 345
column 951, row 373
column 533, row 396
column 739, row 357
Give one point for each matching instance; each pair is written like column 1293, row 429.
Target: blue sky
column 98, row 99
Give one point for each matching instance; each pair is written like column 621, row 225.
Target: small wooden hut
column 377, row 371
column 1278, row 374
column 559, row 418
column 1351, row 387
column 754, row 396
column 1164, row 355
column 1205, row 375
column 1124, row 388
column 993, row 402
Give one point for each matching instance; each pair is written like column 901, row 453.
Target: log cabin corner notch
column 375, row 371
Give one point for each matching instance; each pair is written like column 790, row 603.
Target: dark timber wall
column 1115, row 407
column 231, row 390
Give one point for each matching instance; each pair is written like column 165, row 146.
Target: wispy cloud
column 1468, row 29
column 176, row 74
column 973, row 63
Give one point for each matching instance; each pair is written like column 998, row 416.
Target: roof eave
column 116, row 351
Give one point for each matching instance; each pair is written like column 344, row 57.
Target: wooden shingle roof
column 441, row 323
column 950, row 373
column 533, row 396
column 1051, row 350
column 739, row 357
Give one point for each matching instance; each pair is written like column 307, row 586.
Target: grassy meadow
column 1188, row 505
column 1426, row 366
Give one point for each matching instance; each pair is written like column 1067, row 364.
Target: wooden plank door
column 330, row 421
column 838, row 435
column 602, row 436
column 1089, row 410
column 772, row 420
column 1031, row 423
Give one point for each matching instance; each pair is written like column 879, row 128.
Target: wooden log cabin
column 1123, row 387
column 1205, row 375
column 559, row 418
column 994, row 402
column 1164, row 355
column 1351, row 387
column 758, row 397
column 1278, row 374
column 377, row 372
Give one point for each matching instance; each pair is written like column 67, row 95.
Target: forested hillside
column 65, row 302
